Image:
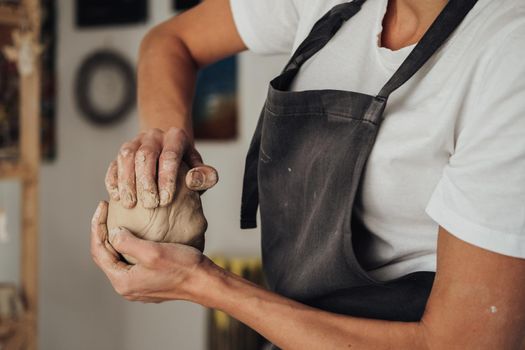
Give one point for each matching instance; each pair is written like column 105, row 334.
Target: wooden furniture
column 24, row 22
column 224, row 331
column 12, row 313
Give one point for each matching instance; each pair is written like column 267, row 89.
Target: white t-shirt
column 451, row 150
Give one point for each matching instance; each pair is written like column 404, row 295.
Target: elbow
column 163, row 42
column 437, row 337
column 424, row 336
column 153, row 40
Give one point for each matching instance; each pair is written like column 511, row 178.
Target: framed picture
column 93, row 13
column 181, row 5
column 215, row 104
column 105, row 87
column 48, row 97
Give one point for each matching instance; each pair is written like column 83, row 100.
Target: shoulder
column 489, row 47
column 266, row 26
column 499, row 23
column 274, row 26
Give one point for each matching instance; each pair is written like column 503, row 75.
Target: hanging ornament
column 24, row 51
column 4, row 235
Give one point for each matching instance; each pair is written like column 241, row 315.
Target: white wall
column 79, row 309
column 10, row 195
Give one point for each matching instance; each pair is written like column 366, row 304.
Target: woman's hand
column 134, row 173
column 164, row 271
column 476, row 302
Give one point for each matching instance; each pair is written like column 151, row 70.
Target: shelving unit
column 11, row 170
column 10, row 15
column 25, row 18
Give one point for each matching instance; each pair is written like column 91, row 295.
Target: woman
column 440, row 190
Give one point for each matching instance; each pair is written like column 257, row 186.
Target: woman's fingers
column 201, row 177
column 107, row 259
column 126, row 173
column 175, row 145
column 146, row 168
column 99, row 232
column 111, row 181
column 161, row 270
column 135, row 174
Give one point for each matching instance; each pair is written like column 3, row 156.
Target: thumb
column 131, row 247
column 201, row 178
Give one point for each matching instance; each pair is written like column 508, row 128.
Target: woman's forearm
column 291, row 325
column 170, row 56
column 166, row 82
column 475, row 304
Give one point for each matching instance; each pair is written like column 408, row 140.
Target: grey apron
column 304, row 168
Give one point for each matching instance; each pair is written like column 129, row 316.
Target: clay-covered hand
column 163, row 271
column 134, row 173
column 180, row 222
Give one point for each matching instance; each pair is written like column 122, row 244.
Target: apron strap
column 447, row 21
column 323, row 30
column 250, row 186
column 320, row 34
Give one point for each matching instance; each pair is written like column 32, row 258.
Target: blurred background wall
column 78, row 308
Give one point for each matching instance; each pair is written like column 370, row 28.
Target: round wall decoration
column 105, row 87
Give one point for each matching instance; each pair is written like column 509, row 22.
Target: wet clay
column 180, row 222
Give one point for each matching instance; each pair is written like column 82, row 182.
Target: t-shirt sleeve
column 481, row 195
column 266, row 26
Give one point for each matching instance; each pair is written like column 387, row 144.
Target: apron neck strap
column 447, row 21
column 322, row 31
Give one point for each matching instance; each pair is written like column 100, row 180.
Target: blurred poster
column 48, row 97
column 93, row 13
column 215, row 104
column 9, row 101
column 181, row 5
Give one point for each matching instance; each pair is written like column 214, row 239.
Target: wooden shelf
column 14, row 334
column 12, row 170
column 28, row 17
column 10, row 15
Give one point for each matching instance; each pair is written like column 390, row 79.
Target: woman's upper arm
column 207, row 30
column 478, row 299
column 215, row 29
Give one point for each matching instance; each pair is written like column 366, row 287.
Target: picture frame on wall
column 95, row 13
column 48, row 92
column 182, row 5
column 215, row 104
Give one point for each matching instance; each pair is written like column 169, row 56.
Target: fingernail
column 197, row 179
column 149, row 200
column 164, row 197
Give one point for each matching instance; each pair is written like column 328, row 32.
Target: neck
column 406, row 21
